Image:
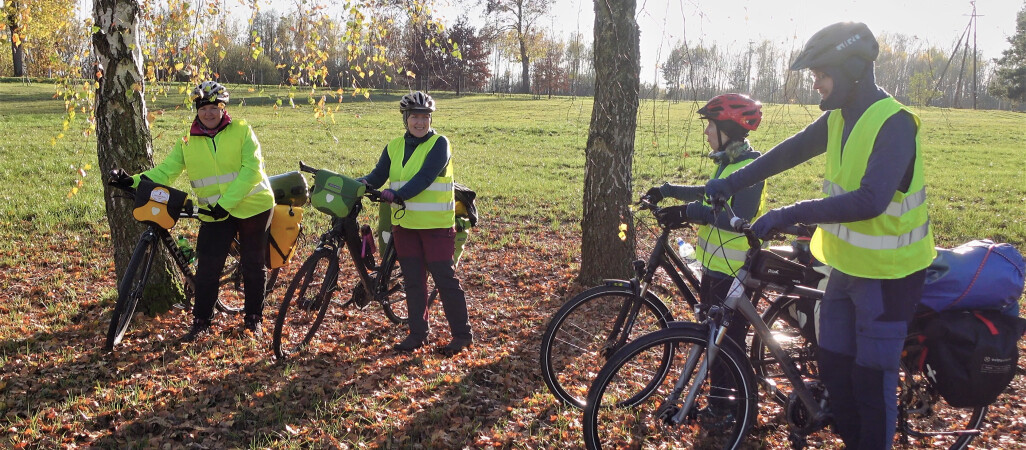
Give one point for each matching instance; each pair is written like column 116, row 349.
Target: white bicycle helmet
column 209, row 92
column 417, row 102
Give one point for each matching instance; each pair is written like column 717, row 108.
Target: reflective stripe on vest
column 435, row 206
column 722, row 250
column 893, row 244
column 264, row 185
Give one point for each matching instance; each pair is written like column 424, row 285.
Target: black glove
column 120, row 179
column 673, row 216
column 698, row 212
column 773, row 221
column 216, row 212
column 655, row 195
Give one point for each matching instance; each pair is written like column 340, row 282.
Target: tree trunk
column 525, row 66
column 609, row 154
column 17, row 51
column 123, row 137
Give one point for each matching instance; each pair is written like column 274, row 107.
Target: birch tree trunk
column 609, row 154
column 123, row 137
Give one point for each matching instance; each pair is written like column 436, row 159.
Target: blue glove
column 217, row 212
column 698, row 212
column 718, row 189
column 775, row 219
column 390, row 196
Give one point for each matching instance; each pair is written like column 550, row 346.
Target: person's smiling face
column 419, row 123
column 210, row 115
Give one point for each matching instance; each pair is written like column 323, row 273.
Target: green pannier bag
column 335, row 194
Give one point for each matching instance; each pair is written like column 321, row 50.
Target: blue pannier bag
column 976, row 275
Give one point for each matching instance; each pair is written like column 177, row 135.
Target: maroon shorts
column 431, row 245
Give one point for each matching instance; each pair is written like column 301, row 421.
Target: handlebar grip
column 305, row 168
column 799, row 229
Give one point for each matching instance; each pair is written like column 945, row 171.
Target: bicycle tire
column 788, row 320
column 722, row 414
column 571, row 351
column 305, row 303
column 130, row 290
column 390, row 289
column 921, row 411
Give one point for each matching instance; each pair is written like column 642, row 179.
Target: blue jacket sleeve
column 795, row 150
column 379, row 175
column 434, row 163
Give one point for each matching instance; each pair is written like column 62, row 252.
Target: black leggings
column 212, row 245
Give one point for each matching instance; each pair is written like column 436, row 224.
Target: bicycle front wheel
column 577, row 340
column 130, row 290
column 724, row 408
column 305, row 303
column 390, row 290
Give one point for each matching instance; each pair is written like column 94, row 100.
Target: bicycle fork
column 628, row 313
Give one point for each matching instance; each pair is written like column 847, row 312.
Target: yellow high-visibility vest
column 227, row 169
column 724, row 250
column 889, row 246
column 434, row 207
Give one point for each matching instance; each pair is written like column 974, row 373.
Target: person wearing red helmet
column 730, row 118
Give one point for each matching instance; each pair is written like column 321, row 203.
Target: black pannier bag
column 969, row 356
column 465, row 206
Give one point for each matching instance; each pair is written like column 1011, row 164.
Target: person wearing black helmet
column 874, row 229
column 419, row 168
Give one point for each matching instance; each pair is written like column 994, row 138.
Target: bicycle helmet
column 836, row 44
column 209, row 93
column 417, row 102
column 735, row 108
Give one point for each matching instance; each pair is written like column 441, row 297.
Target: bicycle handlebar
column 189, row 209
column 371, row 193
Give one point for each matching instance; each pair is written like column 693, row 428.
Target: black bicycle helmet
column 209, row 93
column 417, row 102
column 836, row 44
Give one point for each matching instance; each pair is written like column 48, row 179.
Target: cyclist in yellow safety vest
column 720, row 250
column 226, row 171
column 419, row 169
column 874, row 230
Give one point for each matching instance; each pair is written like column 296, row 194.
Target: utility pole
column 975, row 54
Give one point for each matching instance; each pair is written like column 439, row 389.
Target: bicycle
column 713, row 401
column 132, row 286
column 311, row 290
column 590, row 327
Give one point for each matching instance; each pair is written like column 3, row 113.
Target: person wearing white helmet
column 874, row 228
column 419, row 168
column 226, row 171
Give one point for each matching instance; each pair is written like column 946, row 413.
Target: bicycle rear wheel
column 925, row 419
column 130, row 290
column 305, row 303
column 792, row 321
column 390, row 290
column 574, row 346
column 724, row 409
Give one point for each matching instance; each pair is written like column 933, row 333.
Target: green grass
column 524, row 156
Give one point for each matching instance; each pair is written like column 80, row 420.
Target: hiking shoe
column 455, row 346
column 410, row 344
column 200, row 327
column 252, row 324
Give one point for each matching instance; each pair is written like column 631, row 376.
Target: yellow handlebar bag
column 158, row 204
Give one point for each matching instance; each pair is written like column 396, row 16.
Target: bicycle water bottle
column 687, row 253
column 183, row 245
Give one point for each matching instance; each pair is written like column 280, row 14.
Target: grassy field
column 525, row 158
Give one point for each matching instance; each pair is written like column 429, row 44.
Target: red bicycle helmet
column 737, row 108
